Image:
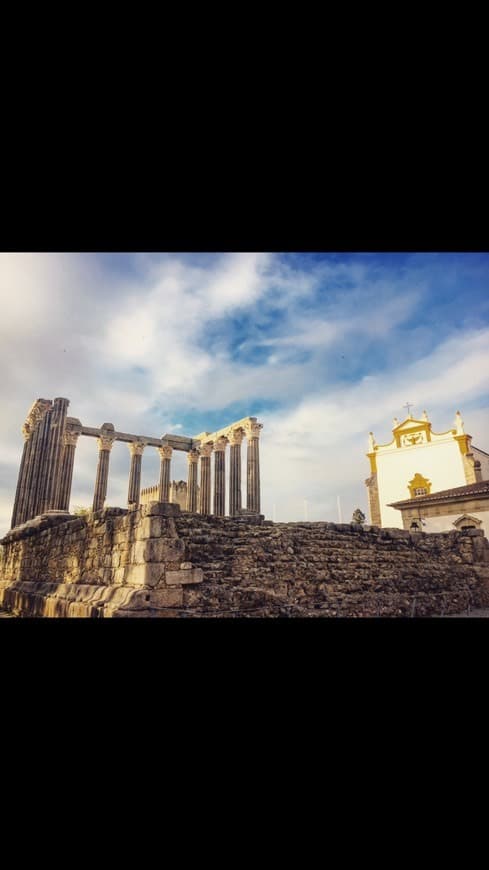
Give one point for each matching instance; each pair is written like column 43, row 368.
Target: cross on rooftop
column 408, row 405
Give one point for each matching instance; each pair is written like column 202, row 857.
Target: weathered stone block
column 119, row 574
column 163, row 550
column 160, row 509
column 149, row 527
column 145, row 599
column 184, row 576
column 138, row 551
column 166, row 597
column 148, row 574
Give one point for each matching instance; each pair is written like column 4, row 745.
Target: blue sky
column 322, row 347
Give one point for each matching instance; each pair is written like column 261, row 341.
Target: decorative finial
column 459, row 423
column 425, row 416
column 396, row 422
column 371, row 442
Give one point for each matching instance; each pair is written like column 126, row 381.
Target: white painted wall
column 445, row 524
column 484, row 461
column 439, row 461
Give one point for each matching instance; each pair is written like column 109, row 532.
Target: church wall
column 440, row 518
column 444, row 523
column 441, row 462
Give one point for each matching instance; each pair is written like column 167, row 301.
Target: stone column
column 34, row 473
column 21, row 477
column 104, row 444
column 40, row 424
column 220, row 476
column 39, row 488
column 253, row 467
column 51, row 470
column 66, row 476
column 192, row 458
column 21, row 513
column 235, row 439
column 136, row 449
column 165, row 472
column 205, row 479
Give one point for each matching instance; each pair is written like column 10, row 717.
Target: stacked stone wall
column 156, row 561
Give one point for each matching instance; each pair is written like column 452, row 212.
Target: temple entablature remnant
column 50, row 440
column 248, row 426
column 217, row 443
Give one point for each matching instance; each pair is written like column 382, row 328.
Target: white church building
column 418, row 463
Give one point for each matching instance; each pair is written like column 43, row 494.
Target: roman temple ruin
column 50, row 439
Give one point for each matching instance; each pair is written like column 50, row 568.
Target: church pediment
column 411, row 432
column 410, row 424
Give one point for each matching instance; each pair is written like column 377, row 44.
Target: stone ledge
column 184, row 576
column 149, row 599
column 39, row 599
column 37, row 524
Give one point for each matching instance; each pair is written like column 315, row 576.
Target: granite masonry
column 159, row 561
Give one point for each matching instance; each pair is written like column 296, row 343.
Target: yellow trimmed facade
column 418, row 462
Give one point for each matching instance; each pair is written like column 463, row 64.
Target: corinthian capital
column 205, row 450
column 105, row 442
column 36, row 413
column 235, row 437
column 136, row 448
column 192, row 456
column 165, row 451
column 252, row 429
column 71, row 438
column 221, row 443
